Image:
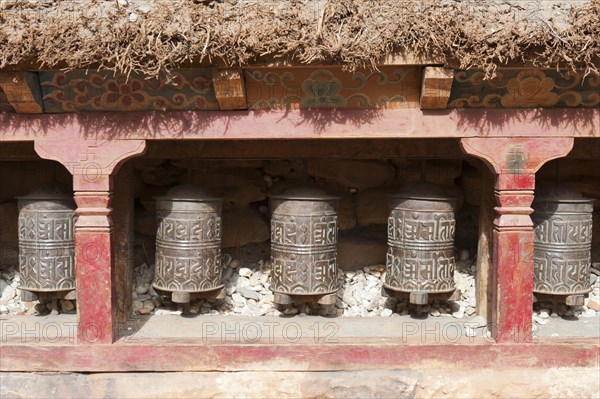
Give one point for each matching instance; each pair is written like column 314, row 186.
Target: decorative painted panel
column 303, row 88
column 4, row 104
column 80, row 90
column 529, row 88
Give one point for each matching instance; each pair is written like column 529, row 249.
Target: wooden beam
column 23, row 92
column 436, row 87
column 18, row 151
column 312, row 148
column 303, row 124
column 139, row 354
column 230, row 88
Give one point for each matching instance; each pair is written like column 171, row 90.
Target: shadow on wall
column 176, row 124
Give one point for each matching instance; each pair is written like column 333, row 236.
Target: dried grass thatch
column 155, row 36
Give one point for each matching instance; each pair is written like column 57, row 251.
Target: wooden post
column 122, row 216
column 514, row 161
column 93, row 165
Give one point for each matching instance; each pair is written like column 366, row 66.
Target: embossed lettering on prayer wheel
column 420, row 257
column 188, row 242
column 562, row 241
column 304, row 231
column 46, row 245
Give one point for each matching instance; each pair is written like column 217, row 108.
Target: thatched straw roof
column 153, row 36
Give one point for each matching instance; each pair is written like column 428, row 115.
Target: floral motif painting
column 528, row 88
column 184, row 89
column 305, row 88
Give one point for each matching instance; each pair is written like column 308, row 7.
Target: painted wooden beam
column 230, row 88
column 170, row 355
column 436, row 87
column 315, row 148
column 304, row 124
column 22, row 89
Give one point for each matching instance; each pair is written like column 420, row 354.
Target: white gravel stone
column 66, row 306
column 290, row 311
column 238, row 299
column 460, row 313
column 149, row 304
column 142, row 289
column 589, row 313
column 8, row 293
column 230, row 289
column 248, row 293
column 245, row 272
column 386, row 312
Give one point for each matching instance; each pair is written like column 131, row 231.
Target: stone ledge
column 402, row 383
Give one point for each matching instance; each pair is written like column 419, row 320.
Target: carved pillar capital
column 512, row 156
column 91, row 162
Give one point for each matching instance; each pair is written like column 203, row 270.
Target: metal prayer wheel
column 420, row 257
column 562, row 242
column 46, row 242
column 188, row 243
column 304, row 230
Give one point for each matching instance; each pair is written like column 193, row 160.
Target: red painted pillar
column 93, row 165
column 514, row 162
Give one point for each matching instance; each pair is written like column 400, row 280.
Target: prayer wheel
column 46, row 242
column 304, row 230
column 188, row 243
column 562, row 242
column 420, row 257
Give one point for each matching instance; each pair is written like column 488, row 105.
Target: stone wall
column 564, row 382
